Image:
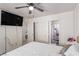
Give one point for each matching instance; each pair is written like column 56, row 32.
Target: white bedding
column 36, row 49
column 72, row 50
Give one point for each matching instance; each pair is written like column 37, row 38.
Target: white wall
column 24, row 30
column 66, row 26
column 76, row 21
column 65, row 21
column 30, row 32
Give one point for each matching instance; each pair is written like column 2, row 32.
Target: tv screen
column 11, row 19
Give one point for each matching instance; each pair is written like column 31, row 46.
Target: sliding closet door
column 41, row 31
column 2, row 40
column 11, row 38
column 19, row 36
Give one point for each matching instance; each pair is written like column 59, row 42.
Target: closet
column 10, row 38
column 2, row 40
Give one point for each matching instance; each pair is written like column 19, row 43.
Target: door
column 2, row 40
column 11, row 38
column 41, row 32
column 55, row 32
column 19, row 36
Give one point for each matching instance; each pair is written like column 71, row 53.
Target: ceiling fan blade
column 30, row 4
column 21, row 7
column 39, row 9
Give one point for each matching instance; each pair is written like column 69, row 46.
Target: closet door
column 19, row 36
column 41, row 32
column 11, row 38
column 2, row 40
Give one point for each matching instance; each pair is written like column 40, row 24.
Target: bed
column 73, row 50
column 36, row 49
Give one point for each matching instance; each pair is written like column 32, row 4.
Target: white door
column 11, row 38
column 2, row 40
column 41, row 31
column 19, row 36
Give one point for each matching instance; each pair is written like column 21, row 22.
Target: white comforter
column 72, row 50
column 36, row 49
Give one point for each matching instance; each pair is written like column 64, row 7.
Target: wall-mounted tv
column 11, row 19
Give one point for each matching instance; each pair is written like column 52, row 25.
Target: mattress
column 36, row 49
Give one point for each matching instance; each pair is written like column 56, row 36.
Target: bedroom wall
column 30, row 30
column 65, row 21
column 76, row 21
column 66, row 26
column 24, row 30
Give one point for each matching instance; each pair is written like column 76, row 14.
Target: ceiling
column 49, row 8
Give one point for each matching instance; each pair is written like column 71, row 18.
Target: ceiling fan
column 31, row 6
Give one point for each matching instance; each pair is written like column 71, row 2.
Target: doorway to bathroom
column 55, row 32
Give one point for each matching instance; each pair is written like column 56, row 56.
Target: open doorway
column 55, row 32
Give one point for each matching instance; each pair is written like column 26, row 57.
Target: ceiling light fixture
column 31, row 7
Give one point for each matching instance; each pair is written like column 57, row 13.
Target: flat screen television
column 11, row 19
